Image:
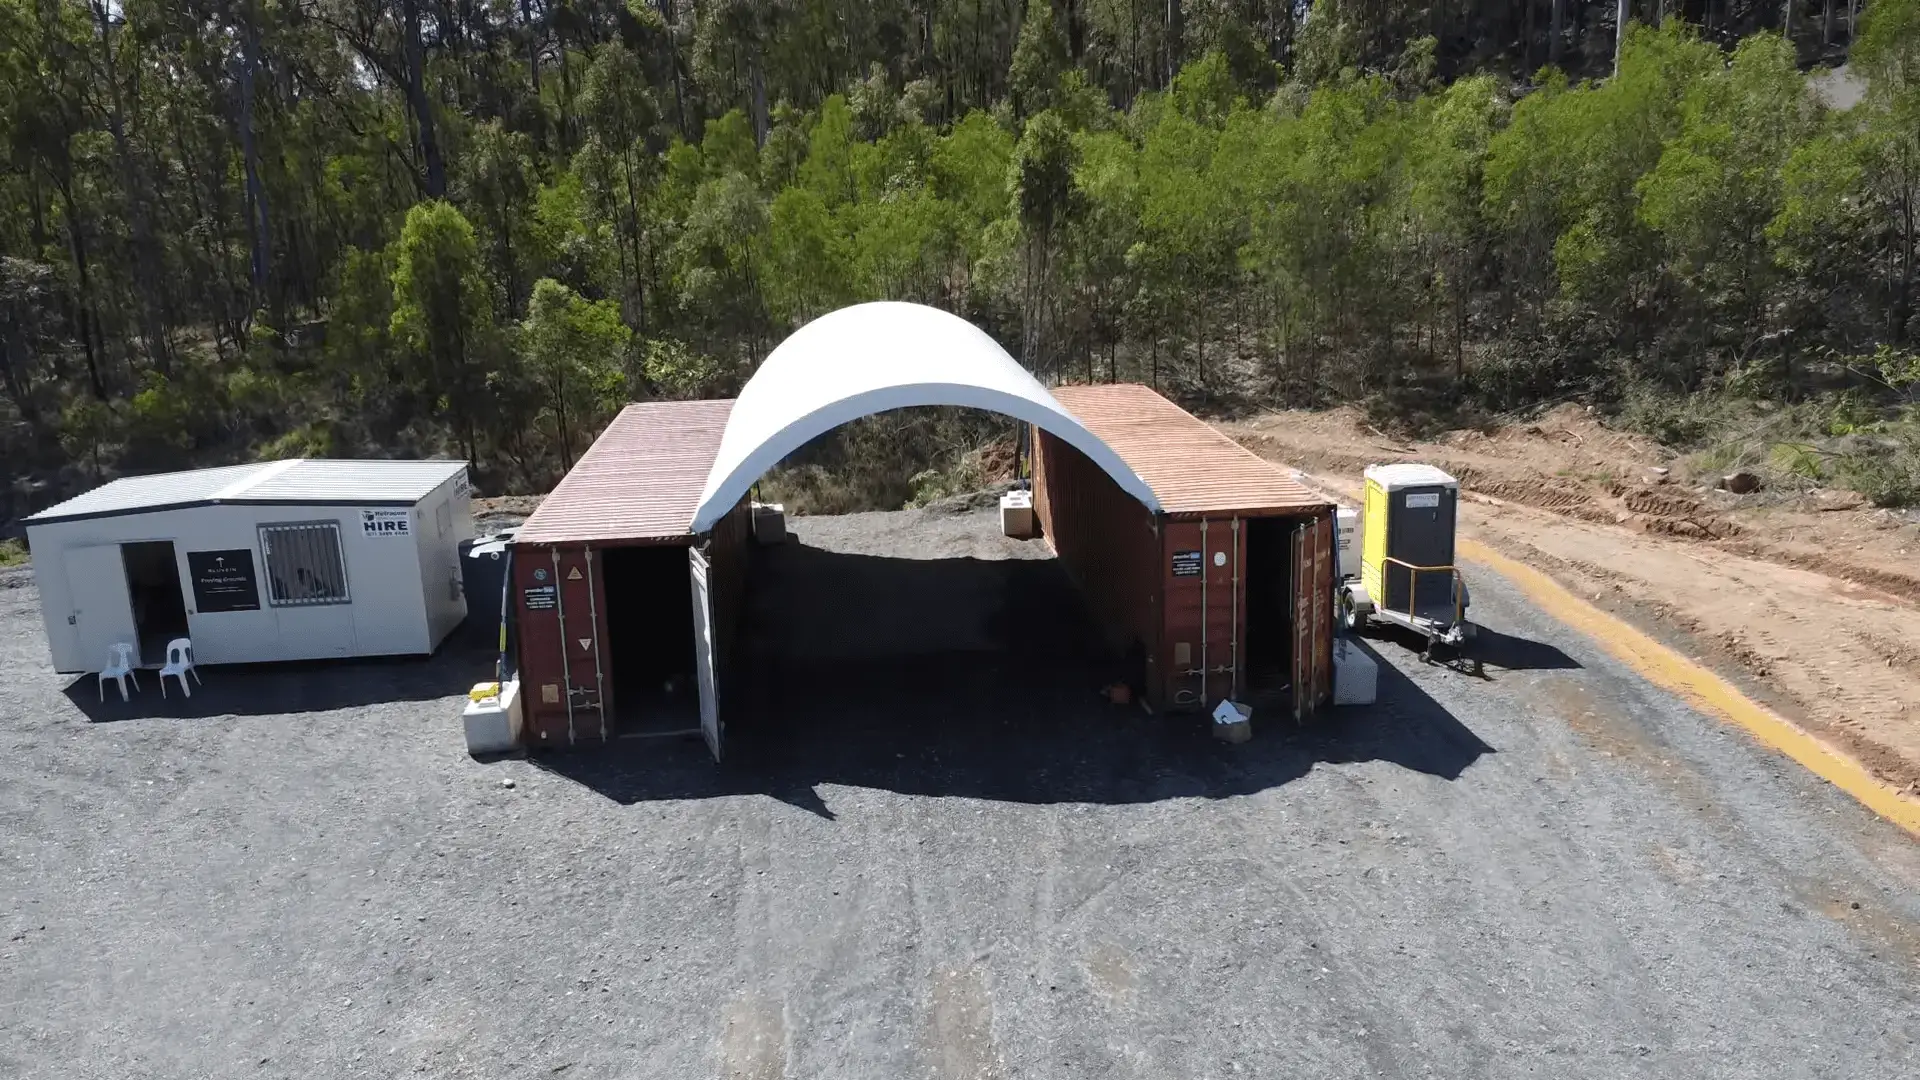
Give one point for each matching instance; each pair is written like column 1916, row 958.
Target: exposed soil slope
column 1807, row 592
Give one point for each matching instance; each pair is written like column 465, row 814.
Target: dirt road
column 1815, row 602
column 1557, row 869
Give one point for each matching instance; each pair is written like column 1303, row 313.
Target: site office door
column 101, row 607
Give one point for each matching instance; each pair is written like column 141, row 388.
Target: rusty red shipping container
column 595, row 570
column 1227, row 591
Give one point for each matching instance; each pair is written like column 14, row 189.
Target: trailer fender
column 1356, row 607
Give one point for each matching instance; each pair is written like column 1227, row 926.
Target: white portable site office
column 281, row 560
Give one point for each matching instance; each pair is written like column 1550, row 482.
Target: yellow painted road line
column 1700, row 688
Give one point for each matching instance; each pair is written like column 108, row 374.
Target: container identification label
column 1186, row 564
column 541, row 598
column 1423, row 500
column 386, row 522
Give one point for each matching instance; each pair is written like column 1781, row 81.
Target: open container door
column 1303, row 550
column 703, row 658
column 102, row 607
column 1320, row 587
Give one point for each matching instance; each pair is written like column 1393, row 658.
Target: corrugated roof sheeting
column 353, row 481
column 136, row 493
column 640, row 480
column 1192, row 468
column 290, row 481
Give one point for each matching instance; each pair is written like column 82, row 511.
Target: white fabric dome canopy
column 871, row 358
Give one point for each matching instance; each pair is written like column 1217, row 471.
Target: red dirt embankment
column 1811, row 594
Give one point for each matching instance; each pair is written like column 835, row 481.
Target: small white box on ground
column 1356, row 678
column 1232, row 722
column 769, row 523
column 1016, row 514
column 493, row 723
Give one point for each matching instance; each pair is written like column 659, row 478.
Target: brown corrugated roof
column 640, row 480
column 1192, row 468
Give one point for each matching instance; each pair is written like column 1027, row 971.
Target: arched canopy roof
column 870, row 358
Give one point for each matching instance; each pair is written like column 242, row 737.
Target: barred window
column 304, row 564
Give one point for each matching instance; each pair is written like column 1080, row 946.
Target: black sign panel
column 1186, row 564
column 223, row 581
column 541, row 598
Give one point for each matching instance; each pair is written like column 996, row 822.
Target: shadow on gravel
column 295, row 687
column 976, row 678
column 1493, row 648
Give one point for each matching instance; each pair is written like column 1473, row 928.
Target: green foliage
column 278, row 228
column 1206, row 91
column 828, row 170
column 13, row 552
column 443, row 314
column 728, row 147
column 1799, row 459
column 969, row 168
column 1040, row 177
column 806, row 258
column 307, row 440
column 1039, row 59
column 576, row 349
column 675, row 371
column 1720, row 181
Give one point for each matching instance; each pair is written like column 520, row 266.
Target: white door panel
column 703, row 651
column 102, row 609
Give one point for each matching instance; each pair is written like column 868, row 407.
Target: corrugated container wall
column 561, row 619
column 1202, row 584
column 1109, row 544
column 559, row 597
column 730, row 548
column 1175, row 587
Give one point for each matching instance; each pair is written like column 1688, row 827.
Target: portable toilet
column 1410, row 514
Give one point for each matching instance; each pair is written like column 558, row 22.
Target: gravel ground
column 1556, row 870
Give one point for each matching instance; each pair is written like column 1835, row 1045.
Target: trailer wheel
column 1350, row 614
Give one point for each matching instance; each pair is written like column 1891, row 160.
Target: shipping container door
column 102, row 609
column 1320, row 585
column 703, row 651
column 1304, row 585
column 580, row 611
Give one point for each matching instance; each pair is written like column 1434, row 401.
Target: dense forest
column 243, row 228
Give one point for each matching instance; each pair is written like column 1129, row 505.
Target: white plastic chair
column 179, row 663
column 119, row 668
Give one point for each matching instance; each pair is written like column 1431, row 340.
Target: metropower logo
column 385, row 523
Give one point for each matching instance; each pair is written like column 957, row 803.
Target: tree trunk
column 639, row 265
column 146, row 269
column 1175, row 33
column 673, row 63
column 250, row 152
column 533, row 45
column 414, row 60
column 1620, row 33
column 15, row 375
column 1526, row 38
column 1826, row 24
column 89, row 334
column 1459, row 331
column 1556, row 30
column 758, row 80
